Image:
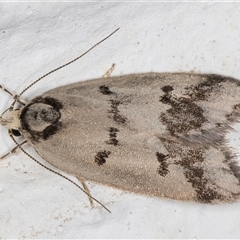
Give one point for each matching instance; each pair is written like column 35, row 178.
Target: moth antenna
column 55, row 172
column 15, row 97
column 7, row 91
column 66, row 64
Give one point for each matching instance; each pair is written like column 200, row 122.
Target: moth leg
column 107, row 74
column 14, row 150
column 87, row 190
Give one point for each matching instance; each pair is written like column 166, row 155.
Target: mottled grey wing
column 155, row 134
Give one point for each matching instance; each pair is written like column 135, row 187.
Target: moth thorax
column 38, row 116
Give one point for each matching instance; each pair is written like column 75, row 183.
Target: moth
column 157, row 134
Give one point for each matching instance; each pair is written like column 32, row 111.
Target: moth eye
column 16, row 133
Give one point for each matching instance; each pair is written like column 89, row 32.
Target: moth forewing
column 145, row 133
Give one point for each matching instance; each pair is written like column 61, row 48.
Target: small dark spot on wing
column 163, row 168
column 113, row 136
column 167, row 88
column 116, row 116
column 101, row 156
column 105, row 90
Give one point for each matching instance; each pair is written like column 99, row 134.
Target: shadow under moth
column 158, row 134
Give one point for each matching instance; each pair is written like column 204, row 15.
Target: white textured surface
column 37, row 37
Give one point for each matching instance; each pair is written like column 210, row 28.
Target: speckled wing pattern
column 159, row 134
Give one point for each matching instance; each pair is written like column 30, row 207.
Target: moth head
column 12, row 120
